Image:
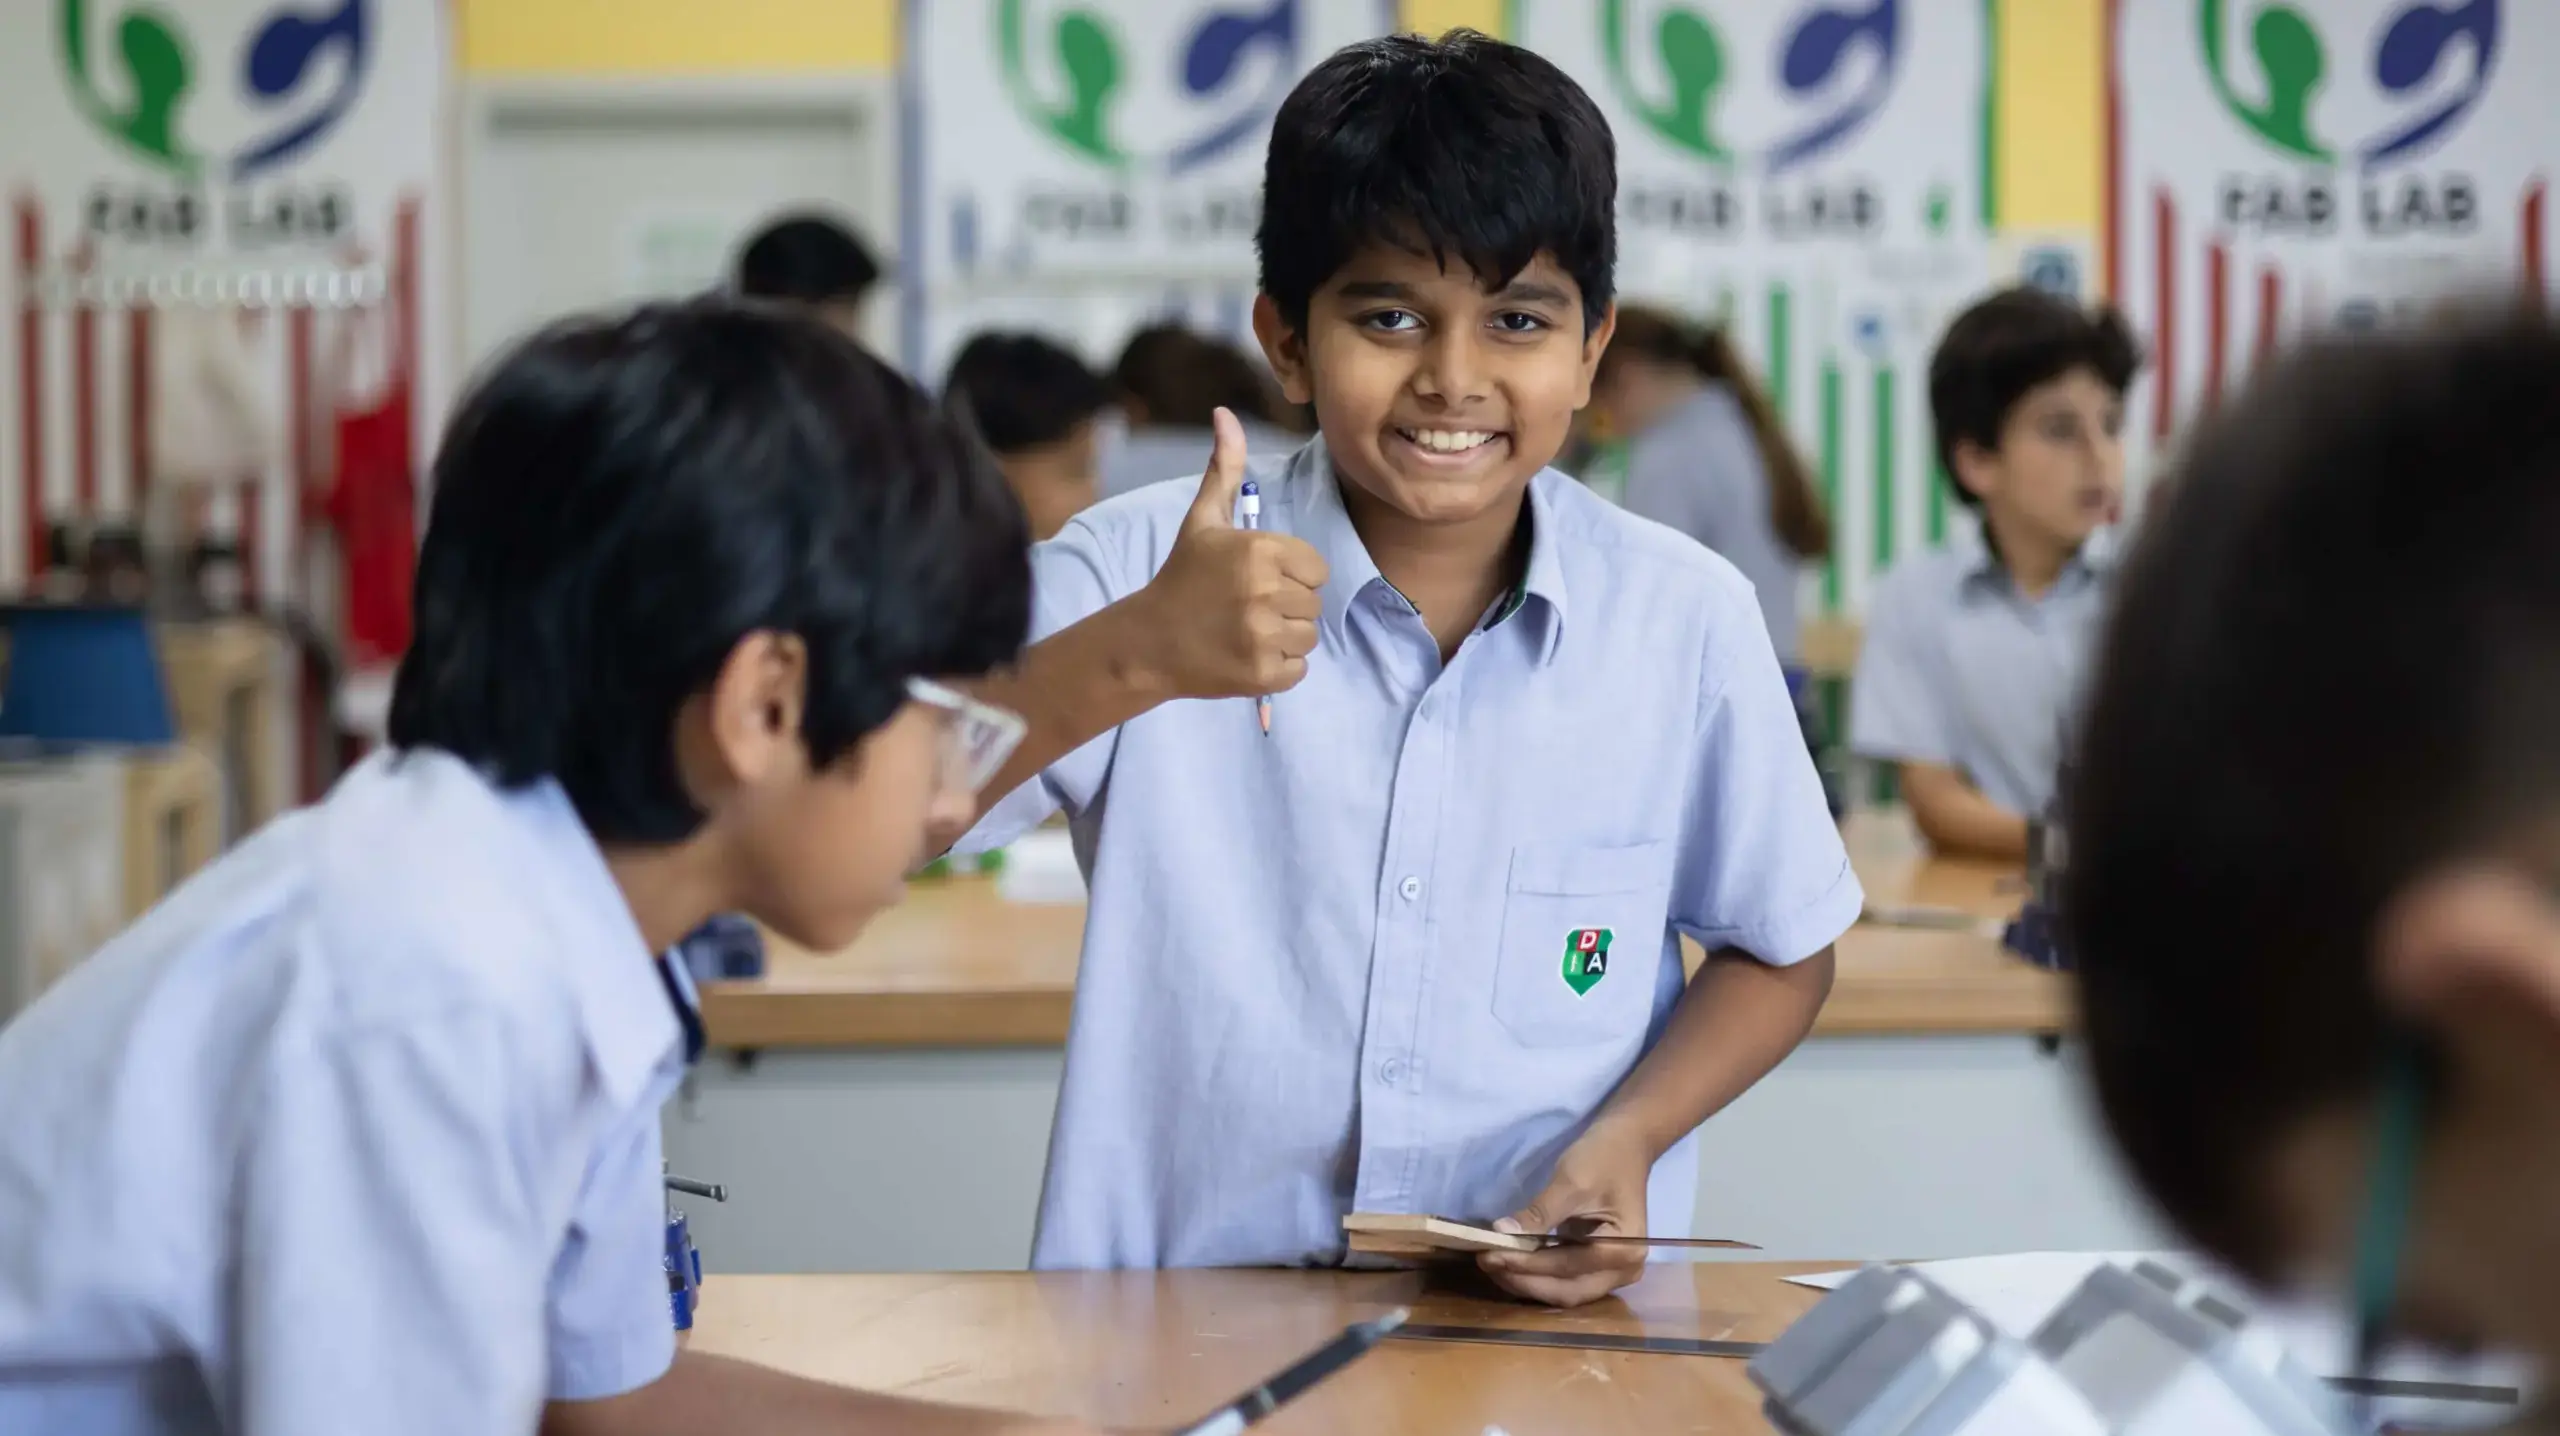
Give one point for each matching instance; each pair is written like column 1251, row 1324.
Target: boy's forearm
column 703, row 1393
column 1738, row 1019
column 1074, row 686
column 1957, row 818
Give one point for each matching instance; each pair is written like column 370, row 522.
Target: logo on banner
column 134, row 81
column 1835, row 66
column 2429, row 67
column 144, row 81
column 1084, row 107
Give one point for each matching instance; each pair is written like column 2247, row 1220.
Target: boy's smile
column 1436, row 397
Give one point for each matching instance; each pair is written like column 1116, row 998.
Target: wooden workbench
column 1154, row 1350
column 933, row 1050
column 957, row 966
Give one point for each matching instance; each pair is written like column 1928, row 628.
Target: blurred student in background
column 2314, row 895
column 813, row 260
column 1973, row 653
column 1037, row 407
column 1170, row 380
column 1705, row 454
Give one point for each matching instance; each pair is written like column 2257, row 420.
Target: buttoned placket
column 1394, row 1068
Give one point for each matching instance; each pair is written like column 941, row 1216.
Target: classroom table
column 1152, row 1350
column 888, row 1107
column 956, row 965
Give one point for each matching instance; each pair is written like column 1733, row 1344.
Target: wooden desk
column 172, row 823
column 223, row 684
column 956, row 966
column 1151, row 1350
column 1828, row 647
column 934, row 1047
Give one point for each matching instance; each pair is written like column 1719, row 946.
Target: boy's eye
column 2061, row 428
column 2115, row 423
column 1391, row 321
column 1513, row 321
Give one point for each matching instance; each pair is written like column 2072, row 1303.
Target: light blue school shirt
column 1325, row 971
column 357, row 1132
column 1960, row 669
column 1698, row 469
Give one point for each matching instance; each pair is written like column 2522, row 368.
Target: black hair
column 809, row 259
column 1179, row 378
column 620, row 501
column 1019, row 391
column 2334, row 666
column 1464, row 148
column 2007, row 344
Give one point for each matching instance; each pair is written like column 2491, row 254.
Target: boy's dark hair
column 619, row 502
column 2334, row 666
column 1019, row 391
column 2004, row 346
column 808, row 259
column 1465, row 148
column 1180, row 378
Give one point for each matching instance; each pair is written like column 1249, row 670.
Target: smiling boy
column 1973, row 652
column 1417, row 949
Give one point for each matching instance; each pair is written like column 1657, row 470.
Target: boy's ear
column 752, row 712
column 1977, row 468
column 1595, row 342
column 2473, row 951
column 1285, row 348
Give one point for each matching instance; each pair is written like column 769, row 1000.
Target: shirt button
column 1411, row 888
column 1430, row 707
column 1391, row 1072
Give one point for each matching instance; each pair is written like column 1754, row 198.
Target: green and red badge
column 1586, row 958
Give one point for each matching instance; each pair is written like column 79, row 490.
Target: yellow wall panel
column 677, row 37
column 2051, row 106
column 1432, row 17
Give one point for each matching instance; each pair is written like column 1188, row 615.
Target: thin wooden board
column 1419, row 1234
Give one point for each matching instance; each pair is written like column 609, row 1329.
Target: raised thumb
column 1215, row 506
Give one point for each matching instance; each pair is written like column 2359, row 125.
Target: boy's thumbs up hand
column 1233, row 612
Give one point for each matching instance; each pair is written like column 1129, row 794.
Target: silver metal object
column 2132, row 1352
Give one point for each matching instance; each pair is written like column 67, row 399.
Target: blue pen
column 1249, row 518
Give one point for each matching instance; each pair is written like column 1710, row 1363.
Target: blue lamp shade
column 82, row 673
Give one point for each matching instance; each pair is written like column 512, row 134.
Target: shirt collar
column 1983, row 570
column 635, row 1020
column 1314, row 497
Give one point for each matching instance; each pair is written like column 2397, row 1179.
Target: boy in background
column 358, row 1131
column 1416, row 948
column 1036, row 405
column 1973, row 652
column 2315, row 832
column 812, row 260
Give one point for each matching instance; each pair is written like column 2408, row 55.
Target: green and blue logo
column 138, row 80
column 1835, row 66
column 2414, row 46
column 1070, row 71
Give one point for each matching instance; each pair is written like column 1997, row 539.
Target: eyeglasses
column 977, row 740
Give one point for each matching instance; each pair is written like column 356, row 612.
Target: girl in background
column 1704, row 453
column 1170, row 380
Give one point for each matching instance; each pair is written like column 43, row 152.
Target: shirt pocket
column 1581, row 947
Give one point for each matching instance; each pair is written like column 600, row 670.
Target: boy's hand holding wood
column 1598, row 1189
column 1232, row 614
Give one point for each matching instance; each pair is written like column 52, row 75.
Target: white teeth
column 1447, row 441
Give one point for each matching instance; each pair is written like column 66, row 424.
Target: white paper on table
column 1040, row 867
column 2017, row 1291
